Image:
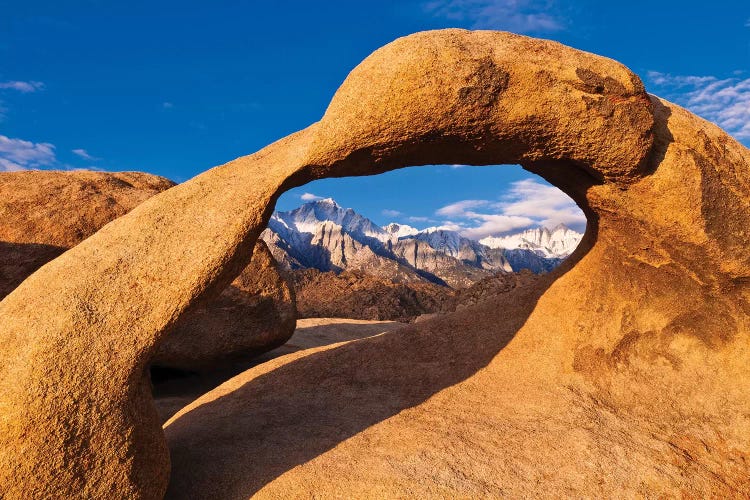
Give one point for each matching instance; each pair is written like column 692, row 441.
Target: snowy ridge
column 556, row 243
column 309, row 216
column 323, row 235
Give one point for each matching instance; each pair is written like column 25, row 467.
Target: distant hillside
column 324, row 236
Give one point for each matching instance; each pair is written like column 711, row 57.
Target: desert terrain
column 153, row 347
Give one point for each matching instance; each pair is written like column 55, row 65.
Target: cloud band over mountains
column 527, row 203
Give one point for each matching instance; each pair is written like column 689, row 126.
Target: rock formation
column 627, row 374
column 254, row 314
column 362, row 296
column 44, row 213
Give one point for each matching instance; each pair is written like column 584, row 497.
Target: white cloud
column 390, row 213
column 24, row 87
column 725, row 102
column 460, row 207
column 419, row 219
column 494, row 224
column 310, row 197
column 529, row 203
column 167, row 105
column 544, row 203
column 450, row 226
column 17, row 154
column 747, row 23
column 522, row 16
column 83, row 154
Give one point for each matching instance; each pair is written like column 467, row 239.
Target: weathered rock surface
column 44, row 213
column 254, row 314
column 171, row 394
column 626, row 375
column 361, row 296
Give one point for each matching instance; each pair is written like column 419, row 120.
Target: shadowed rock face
column 254, row 314
column 640, row 347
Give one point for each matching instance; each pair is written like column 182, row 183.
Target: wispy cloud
column 17, row 154
column 451, row 226
column 310, row 197
column 528, row 203
column 390, row 213
column 522, row 16
column 84, row 154
column 493, row 224
column 167, row 105
column 725, row 102
column 24, row 87
column 546, row 204
column 460, row 208
column 414, row 218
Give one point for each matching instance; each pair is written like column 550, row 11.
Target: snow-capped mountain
column 307, row 217
column 556, row 243
column 398, row 230
column 323, row 235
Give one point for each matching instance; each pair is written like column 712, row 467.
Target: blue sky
column 174, row 88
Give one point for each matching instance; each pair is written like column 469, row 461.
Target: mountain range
column 322, row 235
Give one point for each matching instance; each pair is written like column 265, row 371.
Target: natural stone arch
column 76, row 412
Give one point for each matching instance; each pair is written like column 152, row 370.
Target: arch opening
column 447, row 225
column 448, row 352
column 332, row 240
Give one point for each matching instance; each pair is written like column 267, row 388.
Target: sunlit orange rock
column 626, row 375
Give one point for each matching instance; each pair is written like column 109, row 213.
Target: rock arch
column 667, row 266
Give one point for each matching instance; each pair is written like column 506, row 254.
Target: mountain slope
column 324, row 236
column 556, row 243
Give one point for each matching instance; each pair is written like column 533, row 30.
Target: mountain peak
column 558, row 242
column 400, row 230
column 326, row 201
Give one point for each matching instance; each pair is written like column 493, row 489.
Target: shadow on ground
column 175, row 389
column 273, row 418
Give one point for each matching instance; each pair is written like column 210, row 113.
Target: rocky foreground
column 177, row 390
column 360, row 296
column 45, row 213
column 622, row 373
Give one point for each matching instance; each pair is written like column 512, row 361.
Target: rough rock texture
column 173, row 393
column 44, row 213
column 254, row 314
column 361, row 296
column 626, row 375
column 486, row 289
